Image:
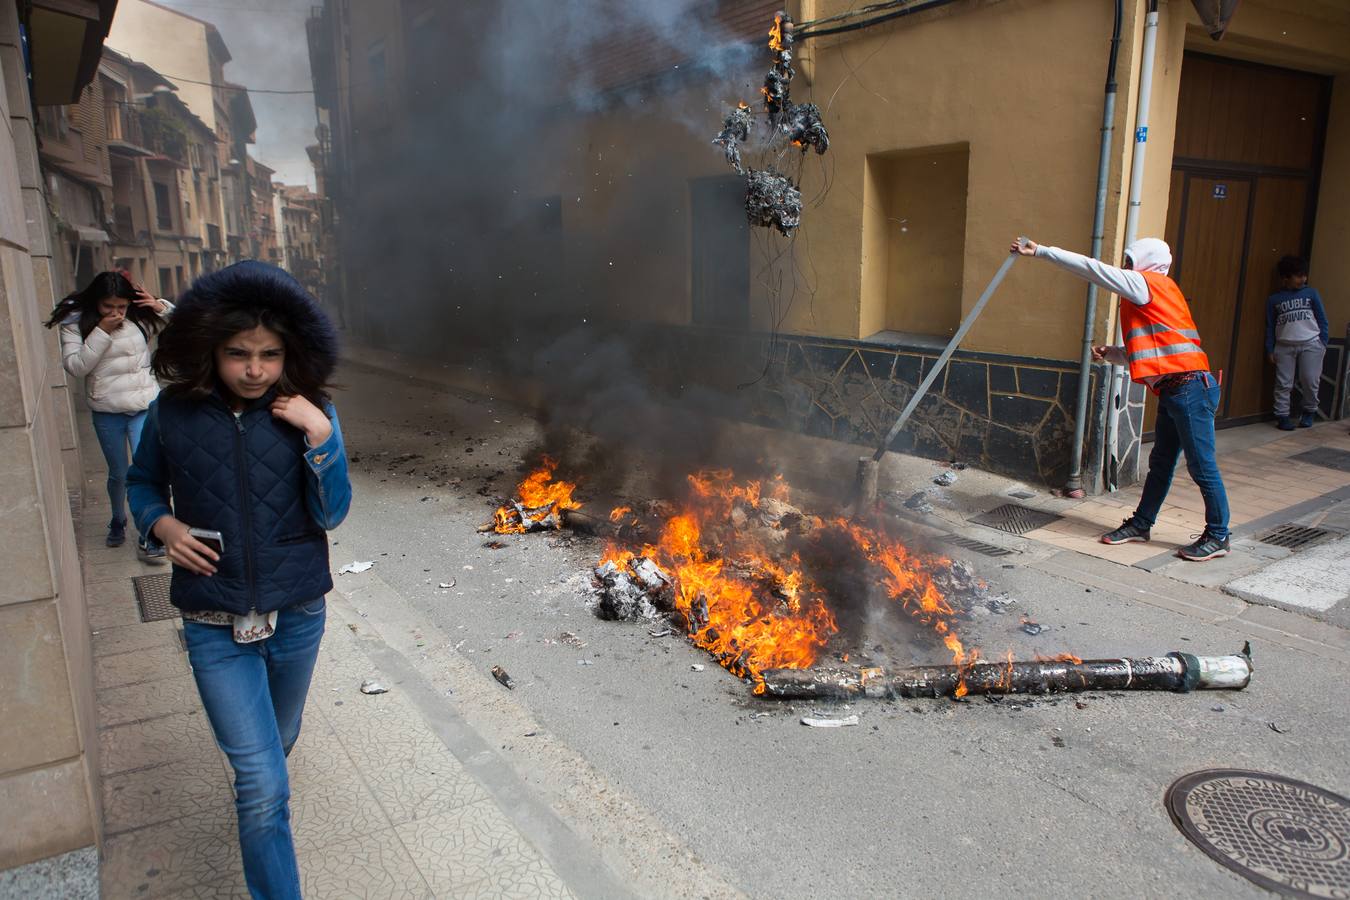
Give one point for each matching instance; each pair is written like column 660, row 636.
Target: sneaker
column 1127, row 533
column 117, row 534
column 1285, row 424
column 1306, row 421
column 151, row 553
column 1207, row 547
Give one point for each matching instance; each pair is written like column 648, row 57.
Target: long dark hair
column 115, row 283
column 240, row 298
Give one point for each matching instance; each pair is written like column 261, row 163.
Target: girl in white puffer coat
column 105, row 339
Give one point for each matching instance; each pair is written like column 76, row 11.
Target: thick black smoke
column 454, row 251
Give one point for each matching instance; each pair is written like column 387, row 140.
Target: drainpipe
column 1074, row 486
column 1115, row 408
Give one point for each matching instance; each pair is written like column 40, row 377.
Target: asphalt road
column 923, row 798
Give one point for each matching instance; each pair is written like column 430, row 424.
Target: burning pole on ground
column 1178, row 672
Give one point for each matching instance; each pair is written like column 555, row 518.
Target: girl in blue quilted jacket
column 243, row 441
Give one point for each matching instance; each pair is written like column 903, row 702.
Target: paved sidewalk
column 381, row 807
column 1262, row 480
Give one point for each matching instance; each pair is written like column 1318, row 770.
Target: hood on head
column 258, row 285
column 1149, row 255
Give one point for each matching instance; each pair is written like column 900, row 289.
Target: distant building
column 300, row 234
column 263, row 242
column 192, row 50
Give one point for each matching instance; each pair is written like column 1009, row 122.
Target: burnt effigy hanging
column 772, row 198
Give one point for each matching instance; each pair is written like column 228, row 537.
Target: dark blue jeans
column 254, row 695
column 1185, row 424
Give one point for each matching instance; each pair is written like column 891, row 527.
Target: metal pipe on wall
column 1116, row 401
column 1074, row 486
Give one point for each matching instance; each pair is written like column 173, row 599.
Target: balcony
column 164, row 134
column 124, row 132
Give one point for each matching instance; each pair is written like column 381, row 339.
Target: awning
column 66, row 40
column 89, row 235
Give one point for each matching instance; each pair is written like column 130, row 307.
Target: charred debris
column 772, row 198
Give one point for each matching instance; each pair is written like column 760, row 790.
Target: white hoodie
column 1145, row 255
column 115, row 367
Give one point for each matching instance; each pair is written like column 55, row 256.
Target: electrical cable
column 798, row 37
column 234, row 87
column 850, row 14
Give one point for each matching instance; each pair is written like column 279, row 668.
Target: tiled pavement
column 381, row 807
column 1261, row 480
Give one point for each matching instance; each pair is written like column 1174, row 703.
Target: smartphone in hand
column 212, row 539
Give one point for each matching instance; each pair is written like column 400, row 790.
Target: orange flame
column 750, row 609
column 619, row 512
column 754, row 606
column 776, row 35
column 1059, row 657
column 540, row 497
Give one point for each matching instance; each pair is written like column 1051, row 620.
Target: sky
column 268, row 45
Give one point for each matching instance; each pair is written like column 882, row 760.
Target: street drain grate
column 1331, row 457
column 1285, row 835
column 1016, row 519
column 152, row 595
column 1293, row 536
column 978, row 546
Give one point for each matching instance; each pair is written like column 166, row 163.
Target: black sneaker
column 1306, row 421
column 1284, row 423
column 117, row 534
column 1127, row 533
column 1207, row 547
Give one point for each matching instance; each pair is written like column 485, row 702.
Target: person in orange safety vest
column 1162, row 350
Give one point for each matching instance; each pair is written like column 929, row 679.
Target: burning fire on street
column 768, row 590
column 742, row 570
column 542, row 502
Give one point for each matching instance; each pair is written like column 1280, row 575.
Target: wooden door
column 1244, row 181
column 1213, row 236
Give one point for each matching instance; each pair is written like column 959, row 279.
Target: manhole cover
column 1287, row 836
column 978, row 546
column 152, row 595
column 1016, row 519
column 1293, row 536
column 1331, row 457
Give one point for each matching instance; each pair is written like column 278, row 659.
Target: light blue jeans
column 116, row 432
column 254, row 695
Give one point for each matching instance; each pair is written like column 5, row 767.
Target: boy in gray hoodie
column 1296, row 341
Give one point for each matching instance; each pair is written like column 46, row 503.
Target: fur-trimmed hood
column 257, row 285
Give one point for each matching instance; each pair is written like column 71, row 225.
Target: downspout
column 1115, row 408
column 1074, row 486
